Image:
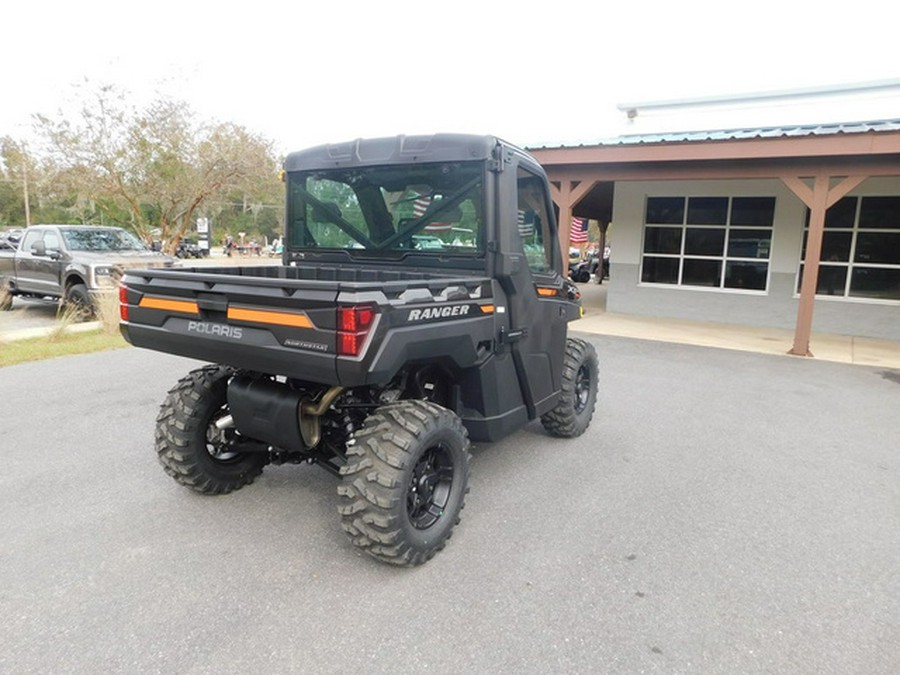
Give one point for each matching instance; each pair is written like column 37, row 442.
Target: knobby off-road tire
column 573, row 413
column 188, row 443
column 405, row 482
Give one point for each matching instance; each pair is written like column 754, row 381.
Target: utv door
column 531, row 276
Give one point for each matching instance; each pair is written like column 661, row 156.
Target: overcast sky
column 534, row 73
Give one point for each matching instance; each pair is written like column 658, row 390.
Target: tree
column 157, row 169
column 17, row 168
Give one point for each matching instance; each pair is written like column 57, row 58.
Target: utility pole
column 25, row 191
column 25, row 185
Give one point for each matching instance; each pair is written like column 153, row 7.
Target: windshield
column 101, row 240
column 428, row 208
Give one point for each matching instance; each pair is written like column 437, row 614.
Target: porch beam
column 579, row 191
column 818, row 198
column 719, row 170
column 566, row 195
column 565, row 204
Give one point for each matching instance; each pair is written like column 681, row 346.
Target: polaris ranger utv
column 421, row 303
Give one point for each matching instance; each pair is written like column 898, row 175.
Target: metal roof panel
column 794, row 131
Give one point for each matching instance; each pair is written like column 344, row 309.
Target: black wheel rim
column 582, row 388
column 429, row 487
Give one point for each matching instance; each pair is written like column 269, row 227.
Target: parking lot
column 726, row 512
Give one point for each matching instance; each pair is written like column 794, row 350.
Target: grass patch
column 61, row 344
column 63, row 340
column 106, row 308
column 5, row 297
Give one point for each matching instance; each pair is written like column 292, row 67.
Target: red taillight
column 355, row 319
column 349, row 344
column 123, row 302
column 353, row 326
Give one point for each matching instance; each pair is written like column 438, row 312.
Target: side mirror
column 38, row 248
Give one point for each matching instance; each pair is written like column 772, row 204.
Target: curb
column 32, row 333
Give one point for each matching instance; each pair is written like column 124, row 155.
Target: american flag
column 525, row 223
column 578, row 234
column 420, row 206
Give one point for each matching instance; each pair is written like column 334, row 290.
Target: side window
column 534, row 221
column 51, row 241
column 29, row 240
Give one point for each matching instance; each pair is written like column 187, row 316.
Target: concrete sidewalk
column 839, row 348
column 8, row 334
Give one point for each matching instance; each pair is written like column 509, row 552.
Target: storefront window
column 860, row 249
column 718, row 242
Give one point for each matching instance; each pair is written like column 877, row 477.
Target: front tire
column 78, row 301
column 191, row 448
column 405, row 482
column 573, row 412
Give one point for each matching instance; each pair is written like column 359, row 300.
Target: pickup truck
column 71, row 263
column 421, row 305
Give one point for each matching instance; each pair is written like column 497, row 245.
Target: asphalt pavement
column 726, row 512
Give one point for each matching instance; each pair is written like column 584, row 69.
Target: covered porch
column 817, row 166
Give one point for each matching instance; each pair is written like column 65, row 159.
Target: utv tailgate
column 271, row 320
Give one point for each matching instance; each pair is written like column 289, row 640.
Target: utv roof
column 394, row 150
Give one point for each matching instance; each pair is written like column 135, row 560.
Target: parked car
column 188, row 248
column 9, row 239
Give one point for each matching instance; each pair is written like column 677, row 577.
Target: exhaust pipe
column 275, row 414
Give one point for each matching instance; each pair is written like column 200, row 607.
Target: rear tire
column 572, row 414
column 191, row 449
column 405, row 482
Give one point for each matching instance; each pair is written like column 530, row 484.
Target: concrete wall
column 776, row 307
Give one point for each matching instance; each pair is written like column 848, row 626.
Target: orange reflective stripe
column 487, row 309
column 275, row 318
column 184, row 306
column 546, row 292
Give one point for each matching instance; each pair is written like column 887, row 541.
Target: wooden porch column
column 566, row 195
column 604, row 228
column 563, row 198
column 818, row 199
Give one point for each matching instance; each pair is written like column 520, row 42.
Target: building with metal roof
column 759, row 132
column 793, row 225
